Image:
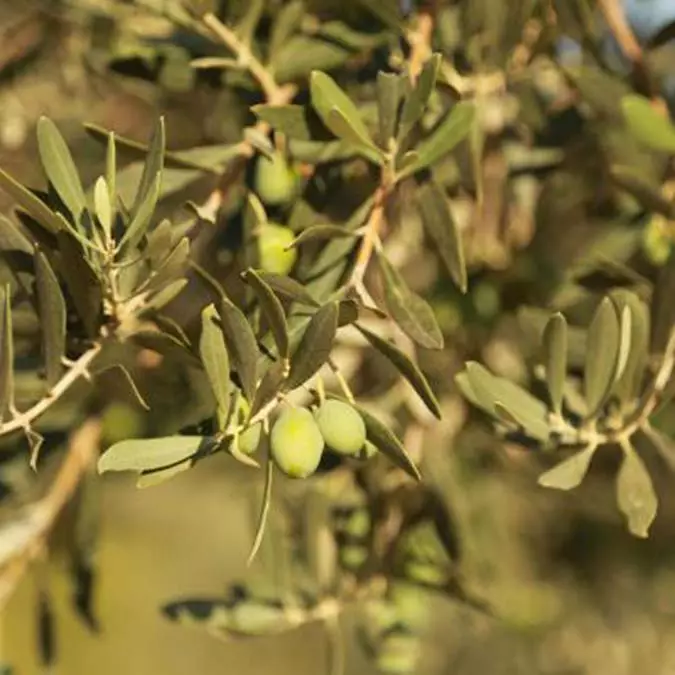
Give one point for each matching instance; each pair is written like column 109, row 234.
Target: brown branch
column 420, row 42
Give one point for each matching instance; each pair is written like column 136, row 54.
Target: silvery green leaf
column 570, row 472
column 215, row 359
column 555, row 359
column 635, row 493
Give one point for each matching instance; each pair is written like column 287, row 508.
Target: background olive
column 274, row 181
column 296, row 443
column 272, row 242
column 342, row 427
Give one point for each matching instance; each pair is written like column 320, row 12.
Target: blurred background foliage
column 556, row 202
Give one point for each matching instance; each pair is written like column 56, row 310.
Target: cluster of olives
column 299, row 436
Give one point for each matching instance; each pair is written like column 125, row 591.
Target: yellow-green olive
column 342, row 427
column 274, row 181
column 249, row 439
column 120, row 422
column 296, row 443
column 398, row 654
column 275, row 257
column 353, row 556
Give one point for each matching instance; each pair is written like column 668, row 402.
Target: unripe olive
column 398, row 654
column 296, row 443
column 342, row 427
column 353, row 556
column 275, row 258
column 274, row 181
column 249, row 439
column 120, row 422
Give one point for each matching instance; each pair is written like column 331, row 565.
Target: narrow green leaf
column 141, row 216
column 442, row 229
column 272, row 309
column 315, row 346
column 6, row 353
column 295, row 121
column 451, row 131
column 416, row 101
column 389, row 92
column 342, row 128
column 164, row 296
column 464, row 385
column 288, row 288
column 602, row 352
column 409, row 310
column 569, row 473
column 34, row 206
column 242, row 346
column 153, row 477
column 287, row 21
column 555, row 359
column 635, row 493
column 337, row 111
column 264, row 510
column 52, row 313
column 387, row 442
column 60, row 168
column 270, row 386
column 406, row 367
column 321, row 233
column 215, row 359
column 103, row 205
column 662, row 308
column 111, row 168
column 151, row 178
column 147, row 454
column 647, row 124
column 12, row 238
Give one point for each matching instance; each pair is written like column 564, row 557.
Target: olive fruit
column 120, row 422
column 353, row 556
column 296, row 443
column 249, row 439
column 341, row 426
column 275, row 257
column 274, row 181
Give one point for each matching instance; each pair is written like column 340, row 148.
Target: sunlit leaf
column 635, row 493
column 164, row 296
column 142, row 215
column 555, row 359
column 103, row 205
column 215, row 359
column 647, row 124
column 569, row 473
column 151, row 178
column 321, row 233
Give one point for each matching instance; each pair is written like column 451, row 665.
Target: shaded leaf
column 416, row 101
column 315, row 346
column 322, row 232
column 303, row 53
column 111, row 167
column 555, row 359
column 153, row 477
column 269, row 386
column 60, row 168
column 6, row 353
column 389, row 92
column 164, row 296
column 406, row 367
column 264, row 510
column 647, row 124
column 272, row 309
column 52, row 313
column 295, row 121
column 215, row 359
column 442, row 229
column 151, row 177
column 570, row 472
column 288, row 288
column 662, row 308
column 635, row 493
column 411, row 312
column 286, row 22
column 145, row 454
column 129, row 380
column 141, row 215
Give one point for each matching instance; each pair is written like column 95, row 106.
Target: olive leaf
column 645, row 191
column 570, row 472
column 141, row 215
column 406, row 367
column 242, row 346
column 409, row 310
column 6, row 353
column 647, row 124
column 635, row 492
column 264, row 510
column 322, row 232
column 555, row 359
column 295, row 121
column 315, row 346
column 147, row 454
column 442, row 229
column 152, row 477
column 103, row 205
column 389, row 92
column 151, row 177
column 111, row 167
column 272, row 309
column 602, row 354
column 285, row 24
column 52, row 313
column 453, row 129
column 165, row 295
column 288, row 287
column 60, row 168
column 269, row 386
column 416, row 101
column 173, row 264
column 662, row 307
column 216, row 362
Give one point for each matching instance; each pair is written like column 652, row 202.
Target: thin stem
column 370, row 236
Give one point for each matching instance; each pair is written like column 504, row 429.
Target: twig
column 370, row 236
column 420, row 42
column 80, row 368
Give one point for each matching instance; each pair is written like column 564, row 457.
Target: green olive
column 249, row 439
column 342, row 427
column 274, row 181
column 273, row 240
column 353, row 556
column 398, row 654
column 296, row 443
column 120, row 422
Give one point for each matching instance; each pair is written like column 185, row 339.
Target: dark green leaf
column 286, row 22
column 570, row 472
column 52, row 313
column 387, row 11
column 34, row 206
column 555, row 359
column 442, row 229
column 165, row 295
column 295, row 121
column 146, row 454
column 304, row 53
column 388, row 99
column 272, row 309
column 602, row 353
column 264, row 510
column 315, row 346
column 417, row 99
column 60, row 168
column 215, row 359
column 453, row 129
column 242, row 346
column 409, row 310
column 322, row 232
column 141, row 216
column 662, row 309
column 153, row 477
column 635, row 493
column 647, row 124
column 288, row 288
column 151, row 178
column 6, row 353
column 406, row 367
column 269, row 386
